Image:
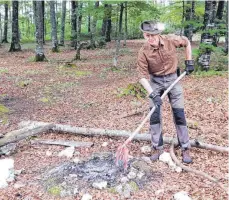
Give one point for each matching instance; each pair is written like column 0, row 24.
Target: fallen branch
column 120, row 133
column 23, row 133
column 197, row 172
column 63, row 143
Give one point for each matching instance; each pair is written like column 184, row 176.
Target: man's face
column 152, row 39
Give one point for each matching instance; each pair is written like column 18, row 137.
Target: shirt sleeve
column 142, row 65
column 180, row 41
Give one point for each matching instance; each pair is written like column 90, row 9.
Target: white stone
column 6, row 171
column 3, row 183
column 68, row 152
column 159, row 192
column 48, row 153
column 118, row 189
column 19, row 185
column 99, row 185
column 146, row 149
column 131, row 175
column 104, row 144
column 76, row 160
column 182, row 195
column 124, row 179
column 86, row 197
column 140, row 174
column 76, row 191
column 166, row 158
column 146, row 159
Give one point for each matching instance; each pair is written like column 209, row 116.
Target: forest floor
column 87, row 95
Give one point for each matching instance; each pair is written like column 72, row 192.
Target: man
column 157, row 60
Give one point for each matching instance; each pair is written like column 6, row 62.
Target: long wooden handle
column 153, row 109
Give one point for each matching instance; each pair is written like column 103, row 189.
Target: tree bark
column 73, row 23
column 43, row 21
column 93, row 27
column 23, row 133
column 226, row 37
column 108, row 30
column 80, row 17
column 220, row 9
column 39, row 51
column 125, row 35
column 119, row 133
column 104, row 24
column 115, row 60
column 63, row 16
column 15, row 45
column 54, row 29
column 188, row 29
column 63, row 143
column 4, row 40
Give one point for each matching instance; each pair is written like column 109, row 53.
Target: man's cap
column 151, row 27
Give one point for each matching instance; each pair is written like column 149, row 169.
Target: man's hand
column 189, row 66
column 156, row 99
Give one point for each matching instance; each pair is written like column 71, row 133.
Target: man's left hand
column 189, row 66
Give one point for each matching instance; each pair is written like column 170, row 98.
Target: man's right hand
column 156, row 99
column 189, row 66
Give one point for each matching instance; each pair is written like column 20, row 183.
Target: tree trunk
column 208, row 13
column 219, row 13
column 226, row 37
column 204, row 58
column 115, row 60
column 80, row 17
column 54, row 29
column 40, row 56
column 89, row 24
column 188, row 30
column 93, row 27
column 108, row 30
column 63, row 16
column 15, row 45
column 73, row 23
column 4, row 40
column 213, row 15
column 125, row 35
column 104, row 24
column 43, row 21
column 118, row 133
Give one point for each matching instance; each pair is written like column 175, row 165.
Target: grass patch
column 209, row 73
column 23, row 83
column 3, row 114
column 3, row 70
column 133, row 89
column 55, row 190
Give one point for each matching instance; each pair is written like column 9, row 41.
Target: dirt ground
column 86, row 95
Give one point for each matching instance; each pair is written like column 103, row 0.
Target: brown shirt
column 163, row 60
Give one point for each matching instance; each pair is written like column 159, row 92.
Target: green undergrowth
column 133, row 89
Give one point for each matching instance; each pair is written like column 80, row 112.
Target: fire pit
column 99, row 171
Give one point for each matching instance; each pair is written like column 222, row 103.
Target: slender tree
column 226, row 37
column 43, row 21
column 73, row 22
column 108, row 28
column 125, row 33
column 15, row 45
column 4, row 40
column 54, row 29
column 39, row 51
column 188, row 29
column 104, row 24
column 115, row 60
column 219, row 13
column 93, row 26
column 63, row 16
column 80, row 17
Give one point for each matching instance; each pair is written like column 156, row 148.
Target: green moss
column 133, row 186
column 55, row 190
column 45, row 100
column 3, row 109
column 82, row 73
column 133, row 89
column 112, row 190
column 3, row 70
